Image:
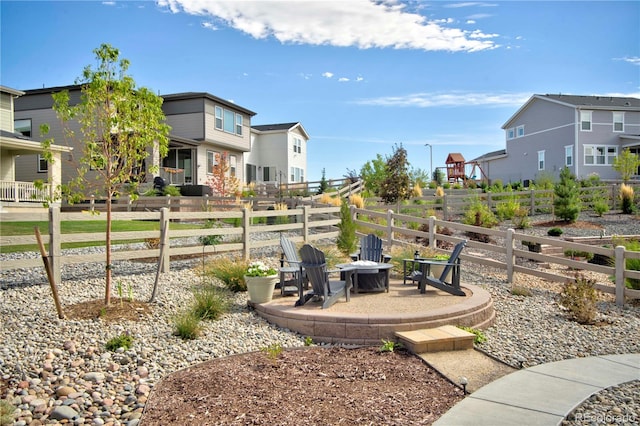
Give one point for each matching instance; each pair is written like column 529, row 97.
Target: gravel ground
column 59, row 372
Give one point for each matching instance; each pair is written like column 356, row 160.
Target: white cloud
column 469, row 4
column 359, row 79
column 109, row 3
column 470, row 21
column 327, row 74
column 453, row 99
column 634, row 60
column 209, row 26
column 356, row 23
column 343, row 79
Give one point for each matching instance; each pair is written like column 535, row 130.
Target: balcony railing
column 18, row 192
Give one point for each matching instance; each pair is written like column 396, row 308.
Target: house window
column 23, row 126
column 511, row 133
column 228, row 121
column 211, row 161
column 238, row 124
column 585, row 121
column 520, row 131
column 540, row 160
column 297, row 145
column 568, row 155
column 297, row 174
column 268, row 173
column 600, row 155
column 43, row 165
column 218, row 118
column 251, row 173
column 233, row 163
column 618, row 121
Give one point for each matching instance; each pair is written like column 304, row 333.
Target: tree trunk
column 107, row 288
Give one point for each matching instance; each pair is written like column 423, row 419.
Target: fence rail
column 505, row 250
column 306, row 223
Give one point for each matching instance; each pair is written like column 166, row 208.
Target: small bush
column 210, row 303
column 631, row 264
column 521, row 218
column 210, row 240
column 230, row 271
column 508, row 209
column 517, row 290
column 416, row 191
column 389, row 346
column 357, row 201
column 273, row 351
column 172, row 191
column 555, row 232
column 187, row 325
column 578, row 253
column 480, row 337
column 6, row 412
column 124, row 340
column 626, row 196
column 579, row 297
column 600, row 207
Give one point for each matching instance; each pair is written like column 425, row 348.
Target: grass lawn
column 74, row 227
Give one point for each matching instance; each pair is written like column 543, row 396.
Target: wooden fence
column 503, row 252
column 309, row 223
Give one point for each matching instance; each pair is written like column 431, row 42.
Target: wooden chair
column 297, row 276
column 315, row 266
column 452, row 265
column 371, row 249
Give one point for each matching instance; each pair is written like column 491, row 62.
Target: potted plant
column 261, row 282
column 436, row 269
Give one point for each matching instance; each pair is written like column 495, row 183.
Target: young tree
column 346, row 241
column 324, row 185
column 118, row 124
column 373, row 173
column 626, row 164
column 221, row 182
column 567, row 197
column 396, row 183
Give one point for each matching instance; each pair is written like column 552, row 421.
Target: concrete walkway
column 544, row 394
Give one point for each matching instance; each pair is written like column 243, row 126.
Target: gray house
column 549, row 132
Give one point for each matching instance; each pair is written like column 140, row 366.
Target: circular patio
column 371, row 317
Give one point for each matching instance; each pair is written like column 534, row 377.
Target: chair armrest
column 355, row 256
column 386, row 258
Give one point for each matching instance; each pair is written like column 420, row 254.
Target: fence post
column 305, row 223
column 92, row 203
column 489, row 201
column 432, row 232
column 390, row 227
column 613, row 196
column 445, row 213
column 246, row 223
column 55, row 247
column 510, row 256
column 164, row 224
column 620, row 265
column 533, row 202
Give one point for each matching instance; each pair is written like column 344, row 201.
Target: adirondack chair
column 297, row 276
column 371, row 249
column 452, row 265
column 315, row 266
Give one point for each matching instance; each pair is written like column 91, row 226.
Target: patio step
column 444, row 338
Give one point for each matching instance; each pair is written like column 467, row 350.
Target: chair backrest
column 453, row 258
column 289, row 249
column 371, row 248
column 315, row 265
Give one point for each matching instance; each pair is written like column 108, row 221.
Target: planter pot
column 261, row 288
column 437, row 269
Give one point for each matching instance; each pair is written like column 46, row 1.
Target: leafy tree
column 221, row 182
column 626, row 164
column 419, row 177
column 438, row 177
column 567, row 197
column 396, row 183
column 373, row 174
column 351, row 176
column 324, row 185
column 118, row 124
column 346, row 241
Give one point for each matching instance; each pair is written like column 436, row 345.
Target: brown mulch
column 313, row 386
column 118, row 310
column 579, row 224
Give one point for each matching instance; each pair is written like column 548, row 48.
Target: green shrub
column 518, row 290
column 124, row 340
column 172, row 191
column 631, row 264
column 507, row 210
column 579, row 297
column 6, row 412
column 210, row 303
column 555, row 232
column 480, row 337
column 567, row 197
column 600, row 206
column 626, row 197
column 521, row 218
column 578, row 253
column 210, row 240
column 479, row 214
column 187, row 325
column 230, row 271
column 347, row 236
column 389, row 346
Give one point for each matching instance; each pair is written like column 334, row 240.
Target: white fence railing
column 18, row 192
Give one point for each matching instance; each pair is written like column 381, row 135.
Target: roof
column 196, row 95
column 455, row 157
column 491, row 155
column 9, row 90
column 280, row 128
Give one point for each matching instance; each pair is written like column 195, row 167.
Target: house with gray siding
column 549, row 132
column 278, row 154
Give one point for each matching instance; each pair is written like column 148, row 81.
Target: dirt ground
column 312, row 386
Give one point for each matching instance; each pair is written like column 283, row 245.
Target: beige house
column 17, row 143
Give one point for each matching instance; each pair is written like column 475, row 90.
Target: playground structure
column 457, row 169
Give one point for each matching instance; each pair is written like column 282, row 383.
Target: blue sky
column 360, row 76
